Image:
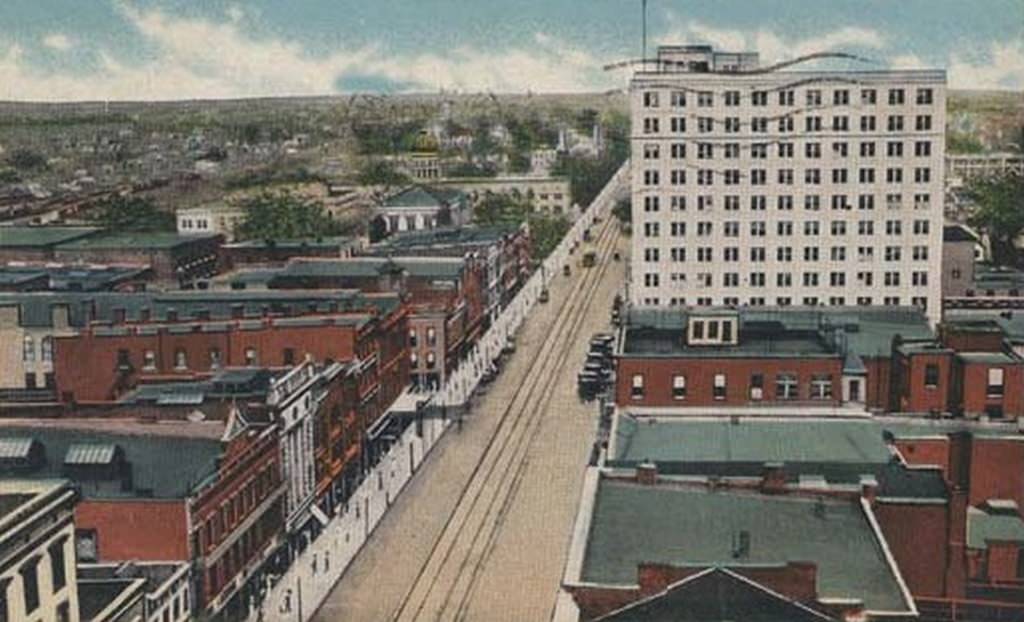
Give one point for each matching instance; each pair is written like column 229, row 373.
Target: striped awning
column 15, row 448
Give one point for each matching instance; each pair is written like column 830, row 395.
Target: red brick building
column 445, row 296
column 880, row 361
column 971, row 371
column 195, row 495
column 203, row 334
column 174, row 259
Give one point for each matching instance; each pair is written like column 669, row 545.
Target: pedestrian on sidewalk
column 314, row 564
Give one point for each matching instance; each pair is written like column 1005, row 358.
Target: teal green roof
column 792, row 331
column 370, row 267
column 422, row 196
column 988, row 358
column 29, row 237
column 750, row 440
column 634, row 523
column 994, row 525
column 133, row 241
column 296, row 243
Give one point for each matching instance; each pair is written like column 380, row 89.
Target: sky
column 64, row 50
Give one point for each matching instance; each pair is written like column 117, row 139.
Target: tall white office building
column 761, row 187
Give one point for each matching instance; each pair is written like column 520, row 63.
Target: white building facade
column 785, row 188
column 293, row 398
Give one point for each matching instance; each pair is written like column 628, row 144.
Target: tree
column 623, row 210
column 999, row 213
column 381, row 173
column 281, row 216
column 547, row 230
column 131, row 214
column 26, row 160
column 378, row 229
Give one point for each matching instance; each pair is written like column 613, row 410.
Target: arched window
column 46, row 348
column 28, row 349
column 180, row 359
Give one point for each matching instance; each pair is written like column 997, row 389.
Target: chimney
column 773, row 478
column 647, row 473
column 869, row 488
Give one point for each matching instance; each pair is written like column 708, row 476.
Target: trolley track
column 445, row 584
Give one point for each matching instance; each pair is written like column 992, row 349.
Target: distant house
column 423, row 207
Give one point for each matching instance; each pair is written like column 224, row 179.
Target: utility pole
column 643, row 50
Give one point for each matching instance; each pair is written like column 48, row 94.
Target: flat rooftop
column 42, row 236
column 295, row 243
column 792, row 331
column 634, row 524
column 134, row 241
column 36, row 309
column 750, row 440
column 835, row 451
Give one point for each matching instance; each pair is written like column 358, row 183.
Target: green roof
column 296, row 243
column 634, row 524
column 372, row 267
column 133, row 241
column 444, row 236
column 30, row 237
column 790, row 331
column 750, row 440
column 163, row 467
column 988, row 358
column 993, row 525
column 422, row 196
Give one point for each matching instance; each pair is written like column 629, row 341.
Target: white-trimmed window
column 679, row 387
column 719, row 387
column 995, row 382
column 28, row 349
column 149, row 360
column 786, row 387
column 821, row 387
column 637, row 388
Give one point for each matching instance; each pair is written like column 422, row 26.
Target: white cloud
column 204, row 58
column 57, row 41
column 1000, row 67
column 772, row 46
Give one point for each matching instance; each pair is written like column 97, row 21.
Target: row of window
column 430, row 360
column 787, row 387
column 918, row 278
column 181, row 362
column 786, row 228
column 414, row 337
column 993, row 388
column 787, row 97
column 28, row 349
column 786, row 125
column 784, row 254
column 786, row 176
column 787, row 150
column 31, row 592
column 785, row 202
column 785, row 301
column 220, row 523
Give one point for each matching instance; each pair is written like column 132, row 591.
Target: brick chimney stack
column 773, row 478
column 647, row 473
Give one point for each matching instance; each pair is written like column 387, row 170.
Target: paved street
column 529, row 549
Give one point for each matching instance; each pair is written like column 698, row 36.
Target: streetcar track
column 516, row 429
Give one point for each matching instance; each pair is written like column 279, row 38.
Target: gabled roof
column 958, row 233
column 634, row 524
column 716, row 595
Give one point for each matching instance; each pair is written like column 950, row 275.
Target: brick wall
column 700, row 373
column 918, row 538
